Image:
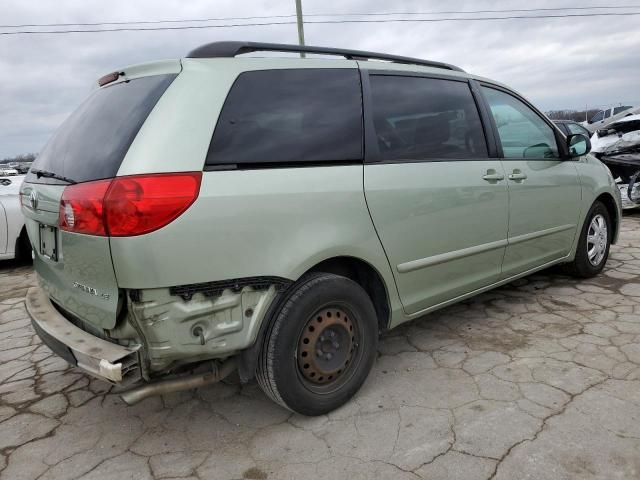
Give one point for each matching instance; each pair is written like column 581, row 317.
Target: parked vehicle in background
column 13, row 234
column 609, row 115
column 23, row 167
column 569, row 127
column 7, row 171
column 298, row 207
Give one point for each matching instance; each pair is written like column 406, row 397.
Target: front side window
column 425, row 118
column 290, row 117
column 523, row 134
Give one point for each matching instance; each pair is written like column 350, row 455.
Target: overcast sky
column 556, row 63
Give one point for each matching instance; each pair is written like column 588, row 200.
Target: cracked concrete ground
column 539, row 379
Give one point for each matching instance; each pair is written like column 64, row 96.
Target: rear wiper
column 47, row 174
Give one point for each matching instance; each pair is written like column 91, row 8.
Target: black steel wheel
column 320, row 346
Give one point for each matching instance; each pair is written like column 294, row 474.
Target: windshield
column 93, row 141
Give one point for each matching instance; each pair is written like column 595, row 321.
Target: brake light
column 128, row 206
column 82, row 208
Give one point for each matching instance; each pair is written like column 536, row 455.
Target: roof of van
column 232, row 49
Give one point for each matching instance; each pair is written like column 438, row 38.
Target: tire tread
column 265, row 374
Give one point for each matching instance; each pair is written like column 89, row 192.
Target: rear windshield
column 93, row 141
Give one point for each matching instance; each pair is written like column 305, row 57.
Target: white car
column 14, row 242
column 603, row 118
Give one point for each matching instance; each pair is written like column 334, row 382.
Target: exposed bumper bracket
column 96, row 356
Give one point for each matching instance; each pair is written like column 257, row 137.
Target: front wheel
column 594, row 243
column 320, row 346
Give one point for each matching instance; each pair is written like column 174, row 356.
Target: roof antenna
column 300, row 25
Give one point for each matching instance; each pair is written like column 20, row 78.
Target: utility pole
column 300, row 25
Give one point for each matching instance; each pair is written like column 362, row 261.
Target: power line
column 321, row 22
column 144, row 22
column 265, row 17
column 513, row 10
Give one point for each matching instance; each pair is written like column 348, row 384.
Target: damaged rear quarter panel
column 179, row 331
column 269, row 222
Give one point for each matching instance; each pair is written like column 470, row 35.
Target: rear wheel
column 593, row 246
column 320, row 346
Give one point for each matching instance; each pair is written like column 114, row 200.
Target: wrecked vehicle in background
column 618, row 147
column 604, row 118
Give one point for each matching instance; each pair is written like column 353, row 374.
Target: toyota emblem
column 33, row 199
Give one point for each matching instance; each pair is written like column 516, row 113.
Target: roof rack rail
column 231, row 49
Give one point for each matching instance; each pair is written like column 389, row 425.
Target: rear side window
column 425, row 118
column 93, row 141
column 290, row 117
column 618, row 110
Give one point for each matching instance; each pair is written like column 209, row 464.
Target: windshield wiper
column 47, row 174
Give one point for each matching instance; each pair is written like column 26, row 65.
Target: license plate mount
column 49, row 242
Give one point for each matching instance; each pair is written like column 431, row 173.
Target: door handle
column 493, row 176
column 517, row 175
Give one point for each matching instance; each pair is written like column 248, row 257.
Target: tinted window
column 607, row 113
column 574, row 128
column 562, row 126
column 618, row 110
column 425, row 118
column 290, row 116
column 93, row 141
column 523, row 134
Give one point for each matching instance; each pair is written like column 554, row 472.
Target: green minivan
column 272, row 216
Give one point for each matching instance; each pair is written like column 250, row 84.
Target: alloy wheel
column 597, row 237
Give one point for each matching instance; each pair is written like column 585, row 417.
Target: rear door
column 436, row 193
column 76, row 269
column 544, row 190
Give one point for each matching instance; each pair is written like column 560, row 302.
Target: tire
column 585, row 265
column 320, row 345
column 23, row 247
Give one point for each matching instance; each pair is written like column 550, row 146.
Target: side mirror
column 578, row 145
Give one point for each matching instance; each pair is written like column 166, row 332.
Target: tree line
column 23, row 157
column 575, row 115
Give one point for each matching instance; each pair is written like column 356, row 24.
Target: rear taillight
column 127, row 206
column 82, row 208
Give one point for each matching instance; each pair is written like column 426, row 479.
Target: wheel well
column 610, row 204
column 364, row 275
column 357, row 270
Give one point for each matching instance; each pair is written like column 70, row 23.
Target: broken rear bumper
column 100, row 358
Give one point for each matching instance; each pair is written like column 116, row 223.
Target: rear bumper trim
column 98, row 357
